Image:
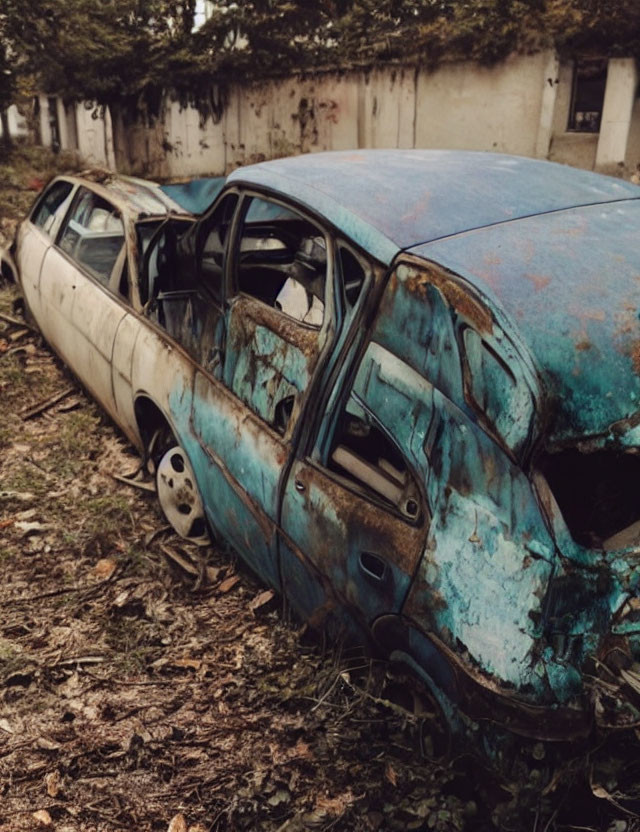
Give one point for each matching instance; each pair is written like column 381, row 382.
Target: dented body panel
column 407, row 385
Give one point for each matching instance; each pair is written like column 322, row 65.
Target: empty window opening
column 598, row 494
column 212, row 245
column 52, row 206
column 587, row 95
column 282, row 261
column 176, row 300
column 362, row 453
column 93, row 235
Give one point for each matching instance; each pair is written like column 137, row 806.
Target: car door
column 482, row 579
column 278, row 325
column 35, row 237
column 77, row 288
column 354, row 516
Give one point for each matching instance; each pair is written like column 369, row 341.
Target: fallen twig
column 16, row 322
column 180, row 561
column 30, row 412
column 143, row 486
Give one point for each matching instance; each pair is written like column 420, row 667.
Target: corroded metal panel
column 269, row 359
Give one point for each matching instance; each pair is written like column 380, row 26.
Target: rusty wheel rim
column 179, row 498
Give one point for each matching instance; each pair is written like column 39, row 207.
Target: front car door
column 279, row 323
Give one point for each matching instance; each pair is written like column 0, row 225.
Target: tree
column 127, row 54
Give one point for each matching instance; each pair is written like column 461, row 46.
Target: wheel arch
column 149, row 418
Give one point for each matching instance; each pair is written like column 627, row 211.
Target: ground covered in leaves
column 149, row 685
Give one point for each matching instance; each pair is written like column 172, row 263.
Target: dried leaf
column 229, row 583
column 631, row 678
column 261, row 599
column 28, row 529
column 105, row 568
column 213, row 573
column 281, row 796
column 177, row 824
column 391, row 775
column 196, row 664
column 53, row 783
column 42, row 817
column 335, row 805
column 47, row 745
column 6, row 726
column 182, row 562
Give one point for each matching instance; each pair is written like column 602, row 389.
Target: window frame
column 204, row 228
column 111, row 285
column 358, row 486
column 233, row 258
column 52, row 232
column 317, row 448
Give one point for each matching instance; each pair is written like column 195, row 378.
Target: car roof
column 570, row 281
column 387, row 200
column 137, row 197
column 556, row 247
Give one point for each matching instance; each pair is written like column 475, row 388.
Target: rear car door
column 35, row 237
column 81, row 289
column 354, row 518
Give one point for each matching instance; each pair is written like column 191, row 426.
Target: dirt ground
column 149, row 685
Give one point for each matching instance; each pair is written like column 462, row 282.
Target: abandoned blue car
column 403, row 385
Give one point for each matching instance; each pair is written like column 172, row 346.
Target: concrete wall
column 457, row 106
column 520, row 106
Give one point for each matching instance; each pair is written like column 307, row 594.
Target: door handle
column 299, row 486
column 373, row 566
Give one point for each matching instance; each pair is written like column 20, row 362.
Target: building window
column 587, row 95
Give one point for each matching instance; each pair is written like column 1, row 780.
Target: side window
column 52, row 205
column 494, row 391
column 212, row 240
column 364, row 454
column 93, row 235
column 282, row 261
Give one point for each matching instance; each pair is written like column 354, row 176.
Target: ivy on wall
column 127, row 53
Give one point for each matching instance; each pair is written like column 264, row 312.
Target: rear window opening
column 598, row 494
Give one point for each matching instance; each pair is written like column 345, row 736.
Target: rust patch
column 300, row 335
column 585, row 314
column 457, row 296
column 584, row 345
column 402, row 541
column 540, row 281
column 635, row 355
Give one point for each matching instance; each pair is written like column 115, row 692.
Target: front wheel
column 179, row 497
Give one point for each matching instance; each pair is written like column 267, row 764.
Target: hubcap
column 179, row 497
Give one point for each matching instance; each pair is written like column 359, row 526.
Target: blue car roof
column 570, row 282
column 556, row 247
column 195, row 195
column 387, row 200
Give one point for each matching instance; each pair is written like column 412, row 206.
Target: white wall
column 457, row 106
column 520, row 106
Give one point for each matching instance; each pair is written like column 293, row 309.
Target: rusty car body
column 404, row 385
